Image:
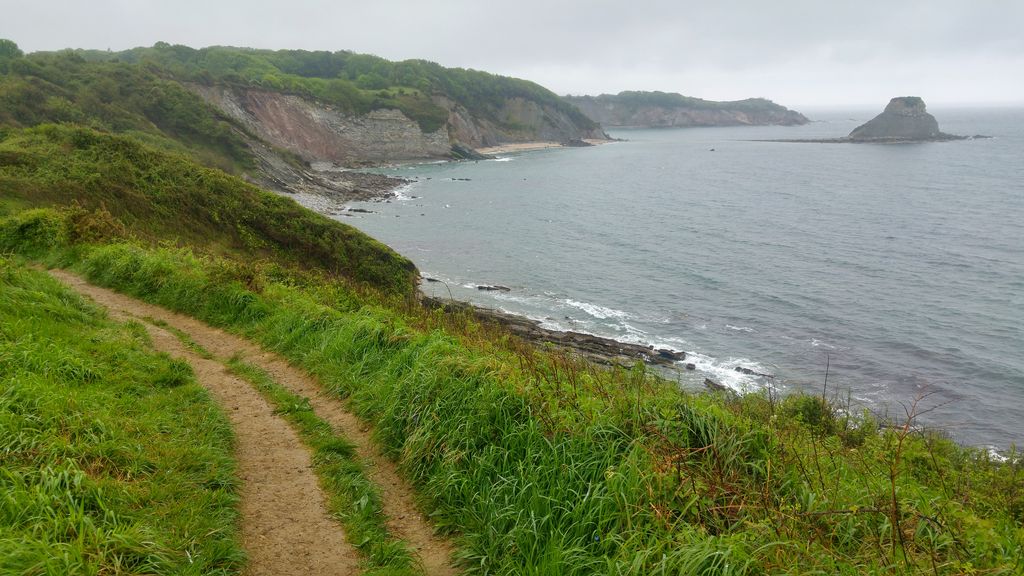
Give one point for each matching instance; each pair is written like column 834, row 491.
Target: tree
column 9, row 50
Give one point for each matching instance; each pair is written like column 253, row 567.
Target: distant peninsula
column 905, row 119
column 670, row 110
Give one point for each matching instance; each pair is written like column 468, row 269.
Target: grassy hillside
column 160, row 196
column 112, row 458
column 117, row 97
column 544, row 465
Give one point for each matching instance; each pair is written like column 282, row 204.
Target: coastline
column 597, row 349
column 515, row 147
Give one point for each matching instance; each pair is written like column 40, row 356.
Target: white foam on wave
column 816, row 343
column 401, row 194
column 995, row 455
column 600, row 312
column 611, row 323
column 739, row 328
column 504, row 159
column 724, row 372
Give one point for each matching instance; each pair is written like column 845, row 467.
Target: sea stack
column 904, row 119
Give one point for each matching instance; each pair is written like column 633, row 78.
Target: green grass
column 540, row 463
column 353, row 498
column 112, row 459
column 545, row 465
column 121, row 187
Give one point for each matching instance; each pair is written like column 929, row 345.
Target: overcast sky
column 796, row 52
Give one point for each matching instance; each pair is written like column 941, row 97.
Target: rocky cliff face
column 609, row 112
column 905, row 118
column 317, row 133
column 518, row 120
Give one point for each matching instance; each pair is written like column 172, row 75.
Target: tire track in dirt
column 404, row 520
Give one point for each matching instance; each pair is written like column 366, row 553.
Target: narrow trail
column 281, row 534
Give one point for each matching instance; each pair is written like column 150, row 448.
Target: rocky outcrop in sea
column 905, row 119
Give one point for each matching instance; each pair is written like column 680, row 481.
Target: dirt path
column 404, row 520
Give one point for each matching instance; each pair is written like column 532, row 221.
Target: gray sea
column 900, row 267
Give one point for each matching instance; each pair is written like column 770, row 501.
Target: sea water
column 898, row 267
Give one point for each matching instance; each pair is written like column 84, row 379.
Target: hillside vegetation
column 159, row 196
column 545, row 465
column 635, row 99
column 113, row 460
column 117, row 97
column 355, row 83
column 632, row 108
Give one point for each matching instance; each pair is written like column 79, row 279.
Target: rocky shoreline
column 604, row 351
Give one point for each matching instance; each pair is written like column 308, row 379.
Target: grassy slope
column 112, row 458
column 548, row 466
column 164, row 196
column 120, row 98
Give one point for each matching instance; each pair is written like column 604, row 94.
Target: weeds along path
column 404, row 519
column 285, row 525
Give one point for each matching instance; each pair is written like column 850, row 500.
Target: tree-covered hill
column 633, row 108
column 356, row 83
column 116, row 97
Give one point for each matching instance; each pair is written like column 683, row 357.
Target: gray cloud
column 797, row 52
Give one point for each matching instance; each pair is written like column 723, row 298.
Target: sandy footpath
column 286, row 527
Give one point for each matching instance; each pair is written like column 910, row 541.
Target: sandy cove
column 529, row 146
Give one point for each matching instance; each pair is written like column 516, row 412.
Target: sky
column 800, row 53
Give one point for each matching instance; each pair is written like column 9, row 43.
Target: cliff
column 516, row 120
column 291, row 121
column 356, row 109
column 668, row 110
column 905, row 118
column 317, row 132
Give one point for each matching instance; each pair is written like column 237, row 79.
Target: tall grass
column 112, row 459
column 353, row 497
column 158, row 196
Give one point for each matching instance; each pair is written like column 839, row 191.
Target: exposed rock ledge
column 594, row 348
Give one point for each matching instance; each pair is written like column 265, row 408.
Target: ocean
column 899, row 267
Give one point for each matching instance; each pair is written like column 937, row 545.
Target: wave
column 724, row 371
column 400, row 194
column 739, row 328
column 504, row 159
column 597, row 311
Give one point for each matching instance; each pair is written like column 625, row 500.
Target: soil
column 286, row 528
